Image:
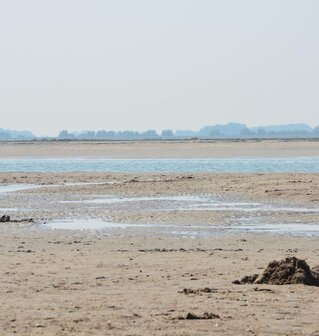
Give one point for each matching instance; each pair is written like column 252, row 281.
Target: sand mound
column 284, row 272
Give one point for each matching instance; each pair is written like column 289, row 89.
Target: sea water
column 217, row 165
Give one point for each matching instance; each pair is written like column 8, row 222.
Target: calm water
column 227, row 165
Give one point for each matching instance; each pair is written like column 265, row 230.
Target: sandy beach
column 159, row 168
column 144, row 280
column 159, row 149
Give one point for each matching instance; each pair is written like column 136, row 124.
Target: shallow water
column 191, row 231
column 20, row 186
column 187, row 203
column 303, row 229
column 86, row 224
column 226, row 165
column 115, row 199
column 17, row 187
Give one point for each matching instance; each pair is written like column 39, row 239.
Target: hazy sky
column 99, row 64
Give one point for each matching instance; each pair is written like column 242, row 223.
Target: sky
column 143, row 64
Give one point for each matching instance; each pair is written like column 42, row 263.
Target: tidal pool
column 87, row 224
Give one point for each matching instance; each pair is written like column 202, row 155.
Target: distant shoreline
column 186, row 140
column 160, row 149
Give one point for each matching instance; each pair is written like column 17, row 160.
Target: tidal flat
column 168, row 239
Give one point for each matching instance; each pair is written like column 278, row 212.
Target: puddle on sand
column 249, row 207
column 113, row 200
column 9, row 209
column 300, row 229
column 17, row 187
column 190, row 231
column 191, row 203
column 98, row 224
column 87, row 224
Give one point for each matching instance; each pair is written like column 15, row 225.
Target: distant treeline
column 227, row 131
column 15, row 135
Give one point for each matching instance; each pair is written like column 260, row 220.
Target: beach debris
column 198, row 291
column 247, row 279
column 23, row 220
column 7, row 219
column 4, row 219
column 288, row 271
column 205, row 316
column 257, row 289
column 24, row 251
column 171, row 250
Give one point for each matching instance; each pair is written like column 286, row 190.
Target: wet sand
column 131, row 282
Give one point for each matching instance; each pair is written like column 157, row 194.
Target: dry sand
column 159, row 149
column 132, row 282
column 79, row 284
